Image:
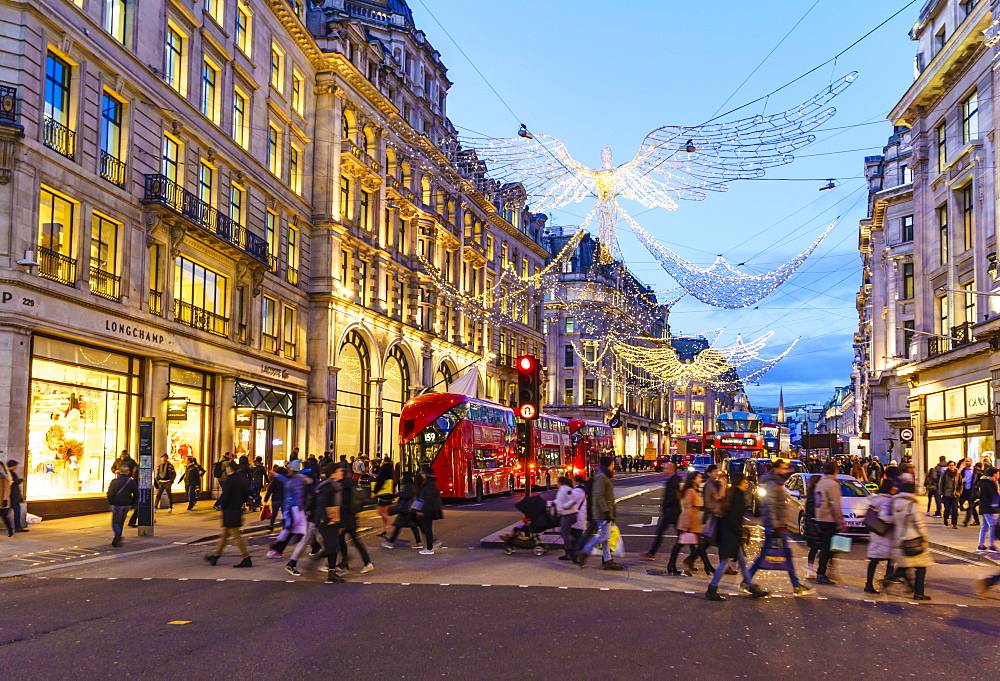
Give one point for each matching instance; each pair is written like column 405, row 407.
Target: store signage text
column 276, row 372
column 131, row 331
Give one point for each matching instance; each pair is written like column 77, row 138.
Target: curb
column 963, row 553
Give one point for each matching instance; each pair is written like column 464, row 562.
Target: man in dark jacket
column 191, row 477
column 235, row 490
column 931, row 486
column 348, row 526
column 123, row 493
column 427, row 508
column 729, row 533
column 325, row 515
column 604, row 512
column 670, row 507
column 989, row 507
column 950, row 489
column 165, row 476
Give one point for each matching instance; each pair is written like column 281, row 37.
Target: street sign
column 906, row 434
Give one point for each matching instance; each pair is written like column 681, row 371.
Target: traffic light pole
column 529, row 451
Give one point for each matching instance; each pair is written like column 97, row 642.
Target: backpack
column 932, row 477
column 218, row 469
column 359, row 496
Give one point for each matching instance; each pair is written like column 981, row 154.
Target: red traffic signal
column 528, row 387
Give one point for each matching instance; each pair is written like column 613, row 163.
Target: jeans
column 826, row 532
column 399, row 528
column 19, row 520
column 603, row 535
column 587, row 534
column 118, row 514
column 566, row 531
column 365, row 558
column 192, row 496
column 304, row 543
column 237, row 537
column 160, row 489
column 932, row 495
column 720, row 569
column 988, row 532
column 661, row 529
column 950, row 510
column 782, row 538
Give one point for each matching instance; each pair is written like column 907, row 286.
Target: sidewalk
column 961, row 542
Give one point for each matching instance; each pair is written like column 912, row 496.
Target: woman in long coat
column 908, row 524
column 880, row 546
column 729, row 535
column 690, row 522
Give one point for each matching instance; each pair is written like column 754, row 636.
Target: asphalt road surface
column 472, row 613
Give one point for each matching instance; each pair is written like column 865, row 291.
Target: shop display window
column 189, row 421
column 79, row 419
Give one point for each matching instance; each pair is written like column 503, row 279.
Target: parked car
column 854, row 499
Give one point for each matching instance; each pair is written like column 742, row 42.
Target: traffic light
column 528, row 387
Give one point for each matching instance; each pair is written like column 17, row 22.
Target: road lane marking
column 180, row 622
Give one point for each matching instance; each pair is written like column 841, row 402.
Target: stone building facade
column 928, row 303
column 213, row 213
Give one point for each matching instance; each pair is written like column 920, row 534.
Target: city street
column 467, row 611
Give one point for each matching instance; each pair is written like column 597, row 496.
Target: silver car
column 854, row 500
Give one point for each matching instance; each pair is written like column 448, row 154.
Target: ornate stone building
column 926, row 357
column 213, row 213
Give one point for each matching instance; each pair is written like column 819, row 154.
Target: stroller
column 539, row 516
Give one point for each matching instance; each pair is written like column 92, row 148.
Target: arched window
column 345, row 124
column 353, row 397
column 367, row 141
column 395, row 392
column 444, row 377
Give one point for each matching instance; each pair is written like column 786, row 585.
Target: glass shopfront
column 954, row 423
column 265, row 422
column 189, row 420
column 82, row 412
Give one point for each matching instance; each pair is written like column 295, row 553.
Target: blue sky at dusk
column 597, row 74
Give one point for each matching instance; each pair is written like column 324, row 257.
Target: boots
column 212, row 560
column 713, row 594
column 245, row 563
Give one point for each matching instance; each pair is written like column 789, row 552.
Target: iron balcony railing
column 188, row 314
column 105, row 284
column 159, row 189
column 113, row 169
column 960, row 335
column 56, row 266
column 8, row 105
column 156, row 302
column 58, row 137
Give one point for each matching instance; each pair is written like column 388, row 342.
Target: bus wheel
column 479, row 491
column 510, row 486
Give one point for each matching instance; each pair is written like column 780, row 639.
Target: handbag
column 709, row 529
column 265, row 513
column 687, row 538
column 417, row 505
column 875, row 524
column 916, row 545
column 840, row 544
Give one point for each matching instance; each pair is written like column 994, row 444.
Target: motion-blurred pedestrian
column 670, row 510
column 235, row 491
column 730, row 538
column 123, row 494
column 880, row 545
column 909, row 540
column 17, row 497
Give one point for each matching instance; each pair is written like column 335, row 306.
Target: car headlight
column 761, row 492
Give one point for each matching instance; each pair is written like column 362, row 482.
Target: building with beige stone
column 213, row 212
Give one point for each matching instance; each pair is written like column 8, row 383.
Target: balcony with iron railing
column 163, row 192
column 105, row 284
column 113, row 169
column 156, row 302
column 56, row 266
column 199, row 318
column 960, row 335
column 58, row 137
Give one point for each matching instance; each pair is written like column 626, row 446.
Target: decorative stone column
column 15, row 389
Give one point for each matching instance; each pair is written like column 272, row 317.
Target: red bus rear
column 553, row 450
column 470, row 444
column 590, row 442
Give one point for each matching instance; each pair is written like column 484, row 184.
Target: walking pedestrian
column 276, row 494
column 427, row 506
column 235, row 492
column 325, row 515
column 689, row 528
column 384, row 490
column 5, row 485
column 123, row 494
column 812, row 536
column 296, row 485
column 950, row 489
column 829, row 518
column 603, row 500
column 670, row 509
column 931, row 486
column 880, row 545
column 191, row 477
column 360, row 467
column 349, row 508
column 567, row 507
column 910, row 548
column 314, row 511
column 405, row 518
column 989, row 508
column 165, row 476
column 969, row 500
column 775, row 515
column 730, row 538
column 17, row 497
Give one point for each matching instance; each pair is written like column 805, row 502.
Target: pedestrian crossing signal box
column 528, row 387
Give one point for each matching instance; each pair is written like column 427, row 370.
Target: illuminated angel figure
column 673, row 162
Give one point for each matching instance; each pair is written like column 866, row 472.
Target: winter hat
column 295, row 465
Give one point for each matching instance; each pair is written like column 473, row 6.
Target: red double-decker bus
column 590, row 442
column 470, row 444
column 553, row 452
